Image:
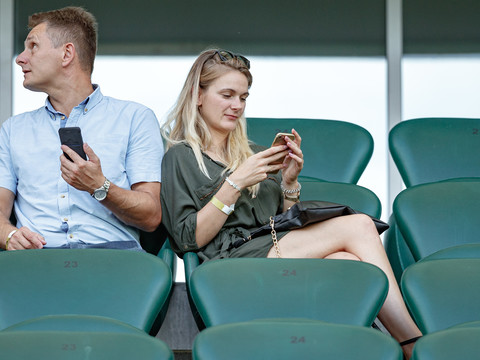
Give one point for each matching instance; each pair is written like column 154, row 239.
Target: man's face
column 40, row 61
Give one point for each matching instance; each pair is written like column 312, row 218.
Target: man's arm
column 23, row 238
column 6, row 205
column 139, row 206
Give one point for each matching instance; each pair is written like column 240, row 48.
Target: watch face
column 100, row 194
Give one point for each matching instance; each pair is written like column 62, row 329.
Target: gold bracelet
column 291, row 191
column 291, row 198
column 9, row 236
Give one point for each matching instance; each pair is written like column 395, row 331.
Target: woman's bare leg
column 356, row 236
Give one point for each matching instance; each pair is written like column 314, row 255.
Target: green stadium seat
column 333, row 150
column 442, row 293
column 243, row 289
column 288, row 339
column 435, row 216
column 74, row 345
column 453, row 343
column 429, row 150
column 124, row 285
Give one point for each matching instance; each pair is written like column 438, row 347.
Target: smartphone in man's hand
column 72, row 137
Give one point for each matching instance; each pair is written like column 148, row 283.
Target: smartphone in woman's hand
column 280, row 140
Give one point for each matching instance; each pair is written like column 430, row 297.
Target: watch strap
column 105, row 187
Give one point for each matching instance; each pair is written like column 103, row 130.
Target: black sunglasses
column 225, row 55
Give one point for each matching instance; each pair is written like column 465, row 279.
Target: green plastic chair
column 333, row 150
column 454, row 343
column 293, row 339
column 467, row 251
column 357, row 197
column 436, row 216
column 124, row 285
column 430, row 150
column 434, row 149
column 243, row 289
column 66, row 345
column 442, row 293
column 74, row 323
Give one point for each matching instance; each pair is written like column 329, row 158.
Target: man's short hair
column 71, row 24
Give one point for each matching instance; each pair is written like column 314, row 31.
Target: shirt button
column 86, row 109
column 62, row 196
column 70, row 236
column 62, row 117
column 65, row 219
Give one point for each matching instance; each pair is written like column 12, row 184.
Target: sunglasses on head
column 225, row 55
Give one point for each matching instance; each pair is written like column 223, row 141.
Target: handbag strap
column 274, row 238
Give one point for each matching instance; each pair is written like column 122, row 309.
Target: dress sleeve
column 179, row 208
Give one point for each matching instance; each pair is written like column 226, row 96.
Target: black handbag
column 305, row 213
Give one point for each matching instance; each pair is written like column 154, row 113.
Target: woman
column 216, row 187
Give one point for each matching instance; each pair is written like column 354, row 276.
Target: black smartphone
column 72, row 137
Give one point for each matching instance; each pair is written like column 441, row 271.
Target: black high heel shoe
column 410, row 341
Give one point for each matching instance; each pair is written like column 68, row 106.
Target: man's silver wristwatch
column 101, row 193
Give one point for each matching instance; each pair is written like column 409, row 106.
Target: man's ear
column 69, row 54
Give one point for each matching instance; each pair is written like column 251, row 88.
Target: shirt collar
column 92, row 100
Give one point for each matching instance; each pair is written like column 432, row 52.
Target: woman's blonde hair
column 185, row 124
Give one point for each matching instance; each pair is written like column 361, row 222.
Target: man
column 62, row 203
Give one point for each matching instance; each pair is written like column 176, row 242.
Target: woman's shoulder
column 179, row 150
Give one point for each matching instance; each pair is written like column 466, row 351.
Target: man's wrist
column 9, row 237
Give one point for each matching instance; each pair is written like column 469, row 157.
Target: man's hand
column 24, row 238
column 82, row 175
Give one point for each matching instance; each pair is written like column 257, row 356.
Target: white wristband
column 9, row 236
column 233, row 184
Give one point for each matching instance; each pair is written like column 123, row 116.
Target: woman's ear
column 200, row 97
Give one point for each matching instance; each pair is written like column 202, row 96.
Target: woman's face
column 223, row 102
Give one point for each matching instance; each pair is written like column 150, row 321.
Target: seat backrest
column 442, row 293
column 242, row 289
column 357, row 197
column 455, row 343
column 467, row 251
column 74, row 323
column 67, row 345
column 438, row 215
column 333, row 150
column 293, row 339
column 125, row 285
column 433, row 149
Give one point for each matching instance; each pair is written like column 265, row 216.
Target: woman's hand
column 293, row 163
column 256, row 168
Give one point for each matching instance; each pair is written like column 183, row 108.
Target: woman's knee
column 342, row 255
column 363, row 224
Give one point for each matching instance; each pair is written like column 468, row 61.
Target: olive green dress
column 186, row 190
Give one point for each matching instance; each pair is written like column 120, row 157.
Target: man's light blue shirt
column 123, row 134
